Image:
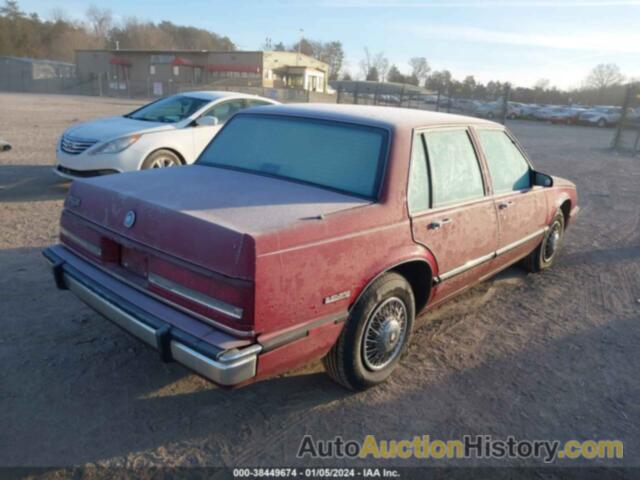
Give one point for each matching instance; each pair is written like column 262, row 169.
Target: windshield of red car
column 339, row 156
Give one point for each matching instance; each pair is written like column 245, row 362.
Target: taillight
column 208, row 294
column 194, row 296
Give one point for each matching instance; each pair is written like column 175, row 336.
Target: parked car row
column 600, row 116
column 300, row 232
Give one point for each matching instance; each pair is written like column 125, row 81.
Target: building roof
column 386, row 117
column 38, row 60
column 160, row 50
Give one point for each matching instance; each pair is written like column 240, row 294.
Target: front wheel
column 161, row 159
column 602, row 123
column 545, row 254
column 374, row 338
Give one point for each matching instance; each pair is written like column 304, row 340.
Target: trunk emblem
column 129, row 219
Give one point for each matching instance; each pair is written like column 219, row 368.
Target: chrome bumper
column 224, row 367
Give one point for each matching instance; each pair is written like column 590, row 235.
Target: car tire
column 162, row 158
column 602, row 123
column 547, row 251
column 382, row 319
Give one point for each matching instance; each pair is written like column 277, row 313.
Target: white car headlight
column 117, row 145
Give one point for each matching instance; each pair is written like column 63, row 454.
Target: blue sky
column 517, row 40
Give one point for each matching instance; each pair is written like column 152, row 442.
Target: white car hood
column 114, row 127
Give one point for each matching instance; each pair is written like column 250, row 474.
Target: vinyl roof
column 387, row 117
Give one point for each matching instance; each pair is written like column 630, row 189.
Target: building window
column 152, row 69
column 176, row 70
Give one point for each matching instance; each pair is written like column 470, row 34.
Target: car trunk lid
column 210, row 217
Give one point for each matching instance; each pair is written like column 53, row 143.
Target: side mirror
column 4, row 146
column 542, row 179
column 207, row 121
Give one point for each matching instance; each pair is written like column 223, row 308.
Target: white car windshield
column 340, row 156
column 169, row 110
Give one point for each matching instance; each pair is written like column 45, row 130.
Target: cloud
column 477, row 4
column 590, row 42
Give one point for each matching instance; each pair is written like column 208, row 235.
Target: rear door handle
column 437, row 224
column 504, row 205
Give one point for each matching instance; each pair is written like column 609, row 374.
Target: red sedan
column 308, row 232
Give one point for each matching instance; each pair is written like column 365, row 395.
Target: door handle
column 437, row 224
column 504, row 205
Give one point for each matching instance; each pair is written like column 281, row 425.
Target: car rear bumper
column 222, row 365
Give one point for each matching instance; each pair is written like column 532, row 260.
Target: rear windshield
column 339, row 156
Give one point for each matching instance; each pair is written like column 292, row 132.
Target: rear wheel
column 374, row 338
column 602, row 123
column 545, row 254
column 161, row 159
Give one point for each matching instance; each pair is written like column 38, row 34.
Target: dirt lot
column 555, row 355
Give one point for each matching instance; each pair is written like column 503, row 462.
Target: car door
column 223, row 111
column 451, row 210
column 521, row 206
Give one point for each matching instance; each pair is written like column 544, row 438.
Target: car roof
column 385, row 117
column 215, row 95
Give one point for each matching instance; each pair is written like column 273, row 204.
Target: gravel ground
column 553, row 356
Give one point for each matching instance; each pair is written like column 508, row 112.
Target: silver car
column 601, row 116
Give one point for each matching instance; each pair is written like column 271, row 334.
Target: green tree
column 372, row 75
column 394, row 75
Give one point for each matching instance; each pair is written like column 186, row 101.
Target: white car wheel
column 161, row 159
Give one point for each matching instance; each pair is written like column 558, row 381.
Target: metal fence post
column 505, row 103
column 617, row 138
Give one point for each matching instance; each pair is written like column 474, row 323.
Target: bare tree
column 604, row 75
column 366, row 63
column 59, row 15
column 542, row 84
column 420, row 68
column 377, row 62
column 381, row 64
column 100, row 20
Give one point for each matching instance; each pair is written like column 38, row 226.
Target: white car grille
column 74, row 145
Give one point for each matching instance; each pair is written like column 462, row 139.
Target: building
column 32, row 74
column 160, row 72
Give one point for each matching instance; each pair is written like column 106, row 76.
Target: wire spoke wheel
column 384, row 334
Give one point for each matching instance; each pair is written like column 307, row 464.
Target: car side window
column 418, row 193
column 454, row 168
column 257, row 103
column 225, row 110
column 508, row 168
